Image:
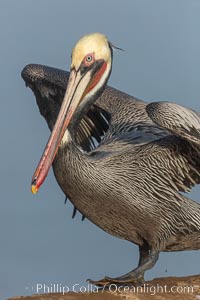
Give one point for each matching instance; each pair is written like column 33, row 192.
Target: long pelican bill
column 80, row 84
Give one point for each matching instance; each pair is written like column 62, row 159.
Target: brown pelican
column 122, row 162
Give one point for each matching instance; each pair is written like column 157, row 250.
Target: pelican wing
column 177, row 119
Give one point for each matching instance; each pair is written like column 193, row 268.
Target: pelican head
column 90, row 69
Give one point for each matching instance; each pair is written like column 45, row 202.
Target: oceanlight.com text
column 42, row 288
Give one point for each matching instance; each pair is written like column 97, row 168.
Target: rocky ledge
column 168, row 288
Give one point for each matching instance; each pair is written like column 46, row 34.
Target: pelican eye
column 88, row 59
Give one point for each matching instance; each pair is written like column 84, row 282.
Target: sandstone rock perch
column 178, row 288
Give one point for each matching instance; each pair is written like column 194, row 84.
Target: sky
column 40, row 243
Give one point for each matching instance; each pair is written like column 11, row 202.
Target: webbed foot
column 129, row 279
